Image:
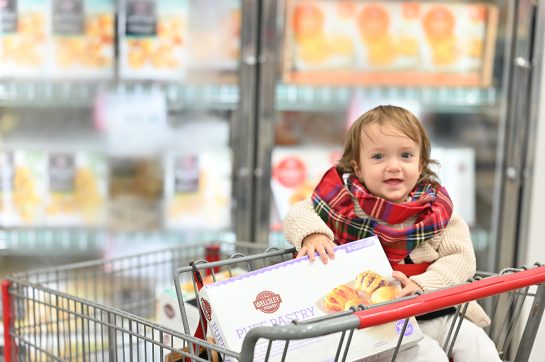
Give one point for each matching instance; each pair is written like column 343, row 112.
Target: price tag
column 134, row 123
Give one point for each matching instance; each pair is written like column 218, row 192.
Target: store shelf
column 50, row 241
column 329, row 98
column 224, row 96
column 75, row 241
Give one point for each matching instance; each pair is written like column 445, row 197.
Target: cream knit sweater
column 451, row 252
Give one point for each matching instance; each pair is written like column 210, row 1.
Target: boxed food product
column 24, row 38
column 82, row 38
column 394, row 42
column 22, row 190
column 296, row 171
column 215, row 35
column 359, row 274
column 153, row 41
column 457, row 174
column 167, row 310
column 76, row 188
column 198, row 189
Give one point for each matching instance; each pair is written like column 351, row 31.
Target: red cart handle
column 448, row 297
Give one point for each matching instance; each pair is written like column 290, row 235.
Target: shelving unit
column 223, row 96
column 328, row 98
column 82, row 241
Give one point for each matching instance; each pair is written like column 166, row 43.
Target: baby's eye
column 407, row 155
column 377, row 156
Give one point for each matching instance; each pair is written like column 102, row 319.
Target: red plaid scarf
column 334, row 200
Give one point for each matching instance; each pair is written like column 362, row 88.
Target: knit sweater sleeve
column 301, row 221
column 452, row 255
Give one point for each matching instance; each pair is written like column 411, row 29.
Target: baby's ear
column 355, row 167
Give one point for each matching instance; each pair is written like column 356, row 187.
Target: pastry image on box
column 368, row 288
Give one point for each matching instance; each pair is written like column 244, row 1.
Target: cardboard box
column 297, row 290
column 168, row 311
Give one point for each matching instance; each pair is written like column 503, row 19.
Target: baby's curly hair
column 399, row 118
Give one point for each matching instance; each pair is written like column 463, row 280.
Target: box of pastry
column 272, row 296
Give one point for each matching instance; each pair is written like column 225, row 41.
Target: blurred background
column 127, row 125
column 130, row 125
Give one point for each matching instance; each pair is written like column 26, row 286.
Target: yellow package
column 83, row 38
column 76, row 189
column 153, row 41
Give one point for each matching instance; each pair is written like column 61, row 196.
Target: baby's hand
column 408, row 287
column 317, row 243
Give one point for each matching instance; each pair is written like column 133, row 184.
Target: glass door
column 329, row 61
column 124, row 125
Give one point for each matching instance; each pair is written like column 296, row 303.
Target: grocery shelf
column 79, row 241
column 33, row 93
column 291, row 97
column 50, row 241
column 225, row 96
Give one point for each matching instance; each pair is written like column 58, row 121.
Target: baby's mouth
column 393, row 181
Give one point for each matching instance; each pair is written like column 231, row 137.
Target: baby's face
column 389, row 163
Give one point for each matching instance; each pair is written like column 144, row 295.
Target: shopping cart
column 105, row 310
column 101, row 310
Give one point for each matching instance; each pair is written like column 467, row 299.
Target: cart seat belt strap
column 411, row 269
column 200, row 332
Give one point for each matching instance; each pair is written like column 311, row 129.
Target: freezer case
column 448, row 62
column 125, row 124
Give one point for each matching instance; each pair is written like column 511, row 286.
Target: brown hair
column 401, row 119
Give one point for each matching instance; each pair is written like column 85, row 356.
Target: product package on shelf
column 82, row 39
column 24, row 46
column 153, row 41
column 360, row 274
column 198, row 189
column 77, row 189
column 295, row 173
column 215, row 35
column 457, row 174
column 399, row 43
column 135, row 191
column 23, row 188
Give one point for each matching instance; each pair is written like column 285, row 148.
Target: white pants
column 472, row 344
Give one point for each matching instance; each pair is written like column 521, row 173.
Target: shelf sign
column 68, row 17
column 141, row 18
column 8, row 16
column 134, row 122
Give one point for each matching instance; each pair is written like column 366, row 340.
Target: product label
column 186, row 174
column 8, row 16
column 267, row 302
column 141, row 18
column 61, row 173
column 68, row 17
column 6, row 172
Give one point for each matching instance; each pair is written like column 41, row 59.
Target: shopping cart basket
column 103, row 310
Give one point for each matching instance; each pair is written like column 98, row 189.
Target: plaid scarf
column 334, row 200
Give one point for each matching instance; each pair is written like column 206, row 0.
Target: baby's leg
column 427, row 350
column 472, row 343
